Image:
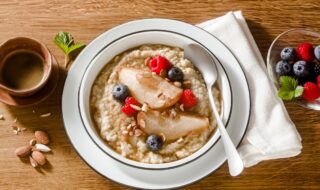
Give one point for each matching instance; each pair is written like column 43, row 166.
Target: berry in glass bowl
column 293, row 64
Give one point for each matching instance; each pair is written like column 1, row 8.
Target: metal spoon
column 206, row 65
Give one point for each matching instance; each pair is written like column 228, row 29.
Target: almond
column 39, row 158
column 33, row 162
column 42, row 148
column 42, row 137
column 23, row 151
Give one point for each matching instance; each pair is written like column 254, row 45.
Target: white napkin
column 271, row 133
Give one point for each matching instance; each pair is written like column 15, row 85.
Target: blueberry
column 154, row 143
column 283, row 68
column 317, row 52
column 288, row 54
column 175, row 74
column 120, row 92
column 300, row 69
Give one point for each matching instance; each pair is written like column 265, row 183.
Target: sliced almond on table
column 39, row 157
column 171, row 128
column 23, row 151
column 42, row 148
column 42, row 137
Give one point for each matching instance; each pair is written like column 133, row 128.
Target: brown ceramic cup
column 23, row 43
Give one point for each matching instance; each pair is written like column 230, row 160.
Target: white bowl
column 120, row 45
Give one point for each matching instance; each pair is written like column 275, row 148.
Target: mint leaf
column 65, row 42
column 75, row 47
column 288, row 83
column 287, row 90
column 286, row 95
column 298, row 91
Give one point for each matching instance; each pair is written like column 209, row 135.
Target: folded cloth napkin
column 271, row 133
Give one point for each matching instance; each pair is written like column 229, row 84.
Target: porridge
column 150, row 104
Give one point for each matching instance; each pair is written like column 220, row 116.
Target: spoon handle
column 234, row 161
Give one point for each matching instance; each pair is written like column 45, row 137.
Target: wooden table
column 87, row 19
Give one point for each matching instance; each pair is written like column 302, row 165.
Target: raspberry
column 305, row 52
column 188, row 99
column 311, row 91
column 159, row 63
column 127, row 109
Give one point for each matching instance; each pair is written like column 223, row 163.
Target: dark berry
column 154, row 143
column 283, row 68
column 300, row 69
column 288, row 54
column 316, row 68
column 317, row 52
column 120, row 92
column 175, row 74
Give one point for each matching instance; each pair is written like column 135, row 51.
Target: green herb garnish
column 289, row 88
column 71, row 49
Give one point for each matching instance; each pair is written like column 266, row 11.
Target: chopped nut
column 181, row 107
column 1, row 117
column 137, row 132
column 130, row 133
column 133, row 123
column 45, row 115
column 144, row 107
column 173, row 113
column 180, row 140
column 129, row 127
column 142, row 123
column 125, row 132
column 135, row 107
column 177, row 84
column 15, row 132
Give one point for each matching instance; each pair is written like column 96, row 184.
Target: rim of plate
column 178, row 163
column 246, row 92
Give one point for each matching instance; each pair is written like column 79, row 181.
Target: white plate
column 154, row 179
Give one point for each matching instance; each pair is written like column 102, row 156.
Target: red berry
column 131, row 100
column 188, row 99
column 127, row 109
column 310, row 91
column 305, row 52
column 159, row 63
column 318, row 80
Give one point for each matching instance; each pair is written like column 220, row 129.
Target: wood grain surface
column 87, row 19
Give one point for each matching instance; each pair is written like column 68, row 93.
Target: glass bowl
column 291, row 38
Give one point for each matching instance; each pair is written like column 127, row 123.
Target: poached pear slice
column 152, row 122
column 153, row 90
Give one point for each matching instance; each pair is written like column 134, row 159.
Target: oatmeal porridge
column 150, row 104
